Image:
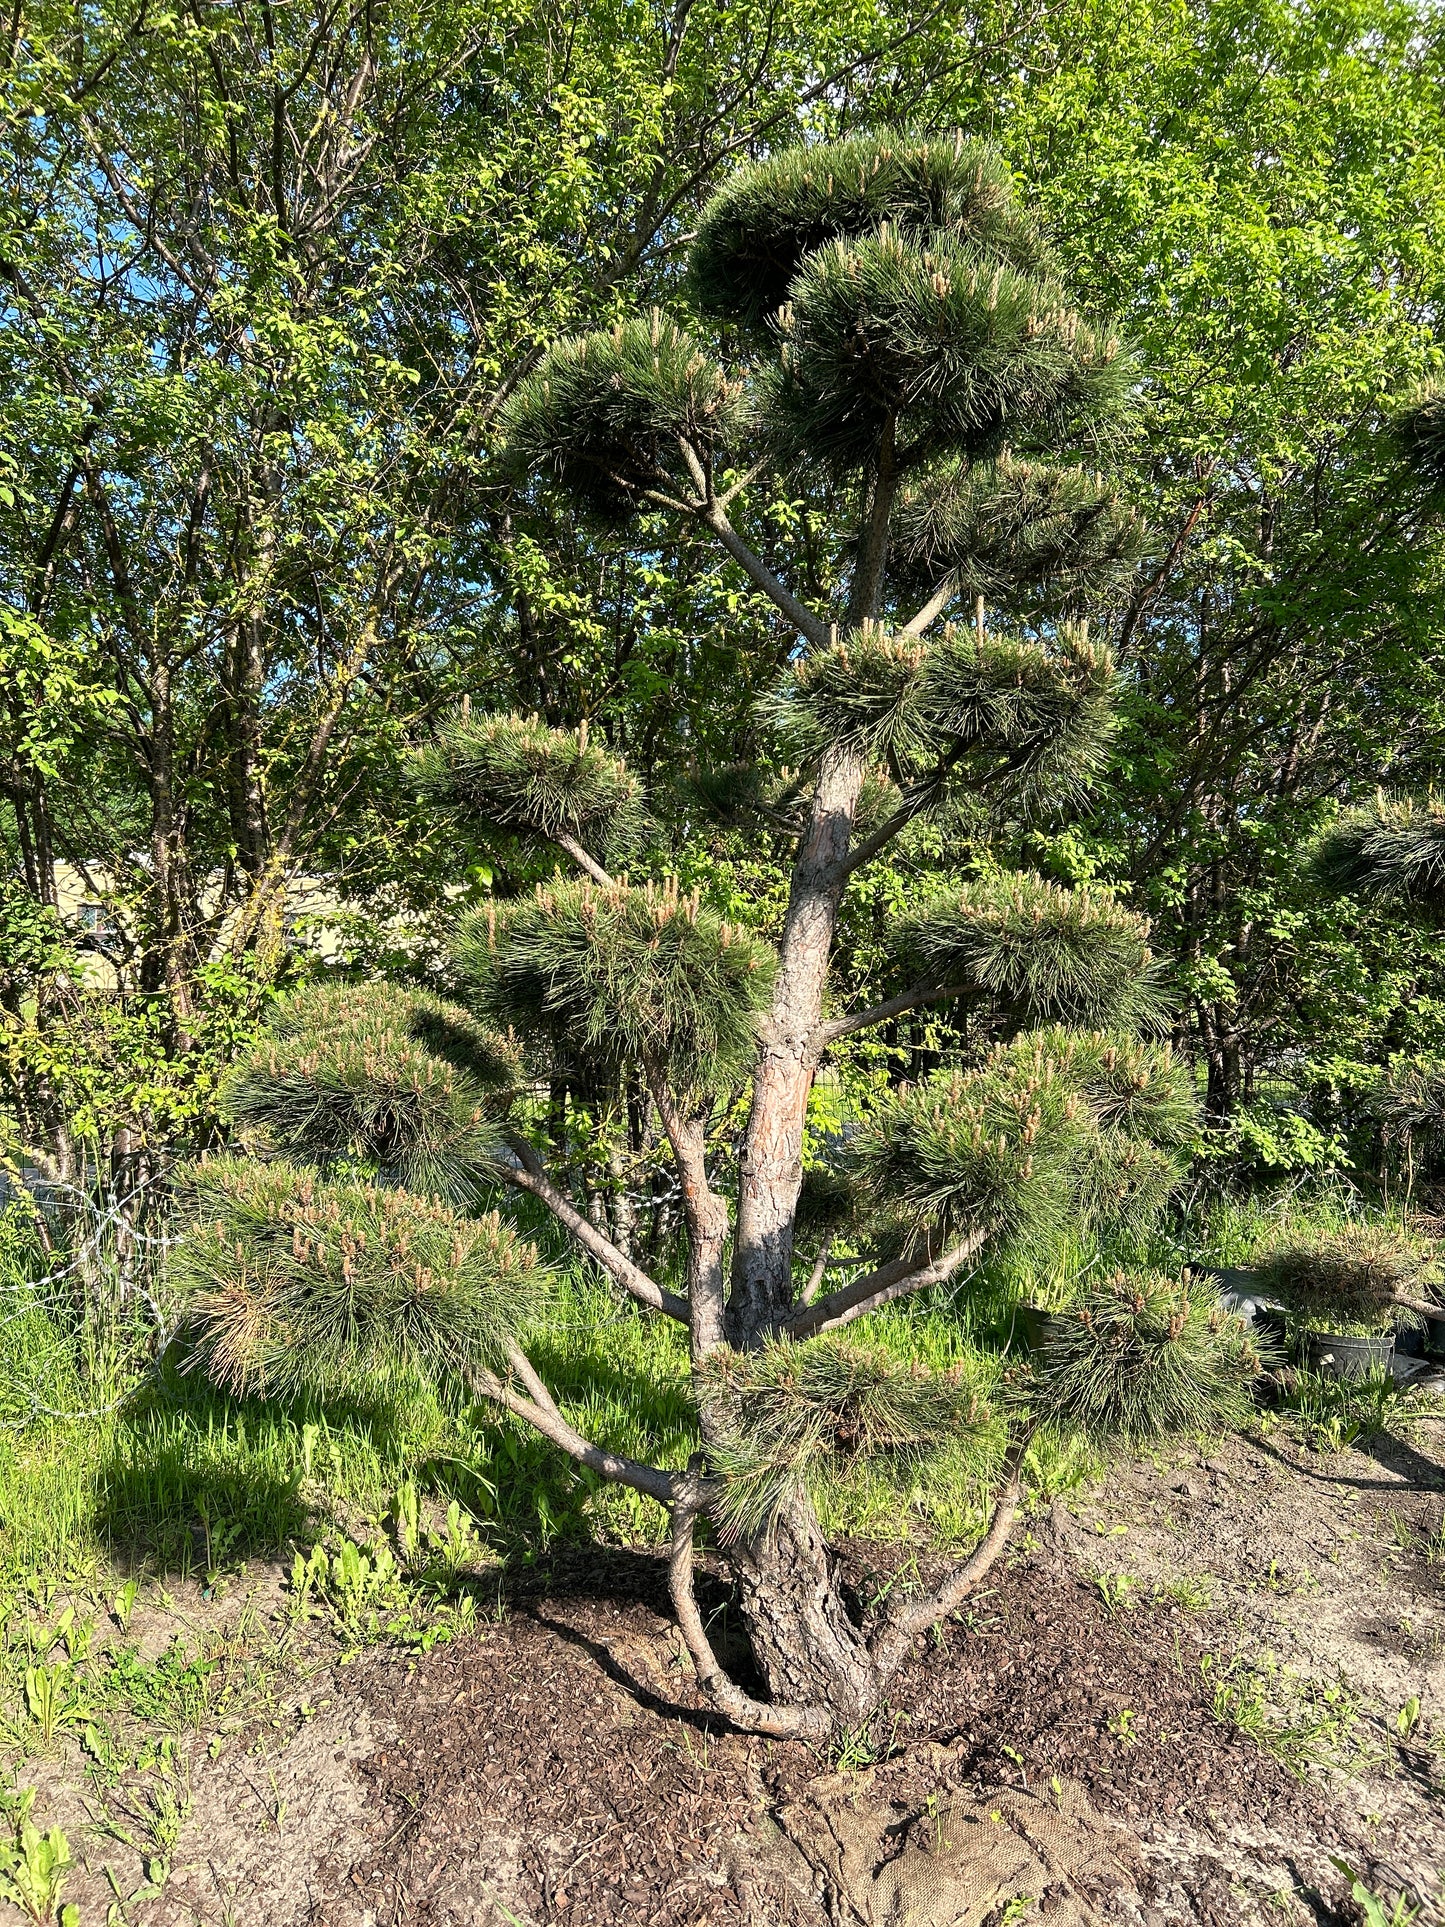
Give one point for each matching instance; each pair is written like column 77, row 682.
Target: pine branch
column 819, row 1271
column 889, row 1645
column 934, row 607
column 571, row 847
column 547, row 1420
column 897, row 1279
column 749, row 1715
column 706, row 1216
column 528, row 1175
column 912, row 999
column 712, row 516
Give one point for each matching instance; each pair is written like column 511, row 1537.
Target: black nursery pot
column 1040, row 1327
column 1337, row 1355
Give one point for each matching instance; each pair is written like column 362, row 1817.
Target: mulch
column 561, row 1756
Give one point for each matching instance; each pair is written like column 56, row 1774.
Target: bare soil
column 1064, row 1747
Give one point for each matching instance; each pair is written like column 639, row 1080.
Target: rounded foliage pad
column 1022, row 534
column 1146, row 1357
column 291, row 1281
column 605, row 975
column 1053, row 1130
column 1041, row 952
column 395, row 1080
column 773, row 1413
column 515, row 773
column 603, row 414
column 962, row 352
column 1390, row 847
column 989, row 712
column 1351, row 1276
column 757, row 230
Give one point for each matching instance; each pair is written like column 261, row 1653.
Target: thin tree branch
column 750, row 1715
column 913, row 999
column 550, row 1423
column 934, row 607
column 528, row 1175
column 896, row 1279
column 583, row 861
column 819, row 1271
column 713, row 516
column 889, row 1645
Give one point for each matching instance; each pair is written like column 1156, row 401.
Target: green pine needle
column 961, row 351
column 515, row 773
column 1351, row 1276
column 757, row 231
column 395, row 1080
column 772, row 1414
column 606, row 976
column 1053, row 1130
column 1146, row 1357
column 1043, row 953
column 1391, row 848
column 603, row 413
column 1018, row 533
column 290, row 1281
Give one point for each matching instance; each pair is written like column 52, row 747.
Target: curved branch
column 529, row 1176
column 913, row 999
column 749, row 1715
column 896, row 1279
column 889, row 1645
column 547, row 1420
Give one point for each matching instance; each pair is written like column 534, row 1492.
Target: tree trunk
column 772, row 1159
column 806, row 1645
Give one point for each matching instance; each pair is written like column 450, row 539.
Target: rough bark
column 806, row 1644
column 772, row 1159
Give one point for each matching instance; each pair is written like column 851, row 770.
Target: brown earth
column 1061, row 1747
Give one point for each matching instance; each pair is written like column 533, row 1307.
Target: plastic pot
column 1340, row 1355
column 1041, row 1328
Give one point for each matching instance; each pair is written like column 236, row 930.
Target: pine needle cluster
column 1015, row 531
column 604, row 414
column 291, row 1281
column 1006, row 715
column 1043, row 953
column 1353, row 1276
column 1391, row 848
column 1146, row 1357
column 1419, row 433
column 959, row 349
column 1410, row 1105
column 1054, row 1129
column 395, row 1080
column 756, row 232
column 609, row 975
column 515, row 773
column 771, row 1414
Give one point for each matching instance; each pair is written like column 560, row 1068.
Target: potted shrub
column 1348, row 1290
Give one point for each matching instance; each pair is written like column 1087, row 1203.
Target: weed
column 1400, row 1915
column 52, row 1698
column 1118, row 1590
column 1303, row 1724
column 1122, row 1726
column 34, row 1865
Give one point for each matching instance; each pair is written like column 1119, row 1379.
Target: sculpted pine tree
column 904, row 352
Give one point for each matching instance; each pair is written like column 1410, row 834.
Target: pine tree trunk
column 805, row 1643
column 772, row 1160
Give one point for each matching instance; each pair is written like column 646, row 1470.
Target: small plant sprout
column 1377, row 1912
column 34, row 1865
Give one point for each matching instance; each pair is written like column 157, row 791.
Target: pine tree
column 903, row 350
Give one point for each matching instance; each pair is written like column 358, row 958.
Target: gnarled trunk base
column 806, row 1645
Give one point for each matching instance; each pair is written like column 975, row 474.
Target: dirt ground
column 1098, row 1739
